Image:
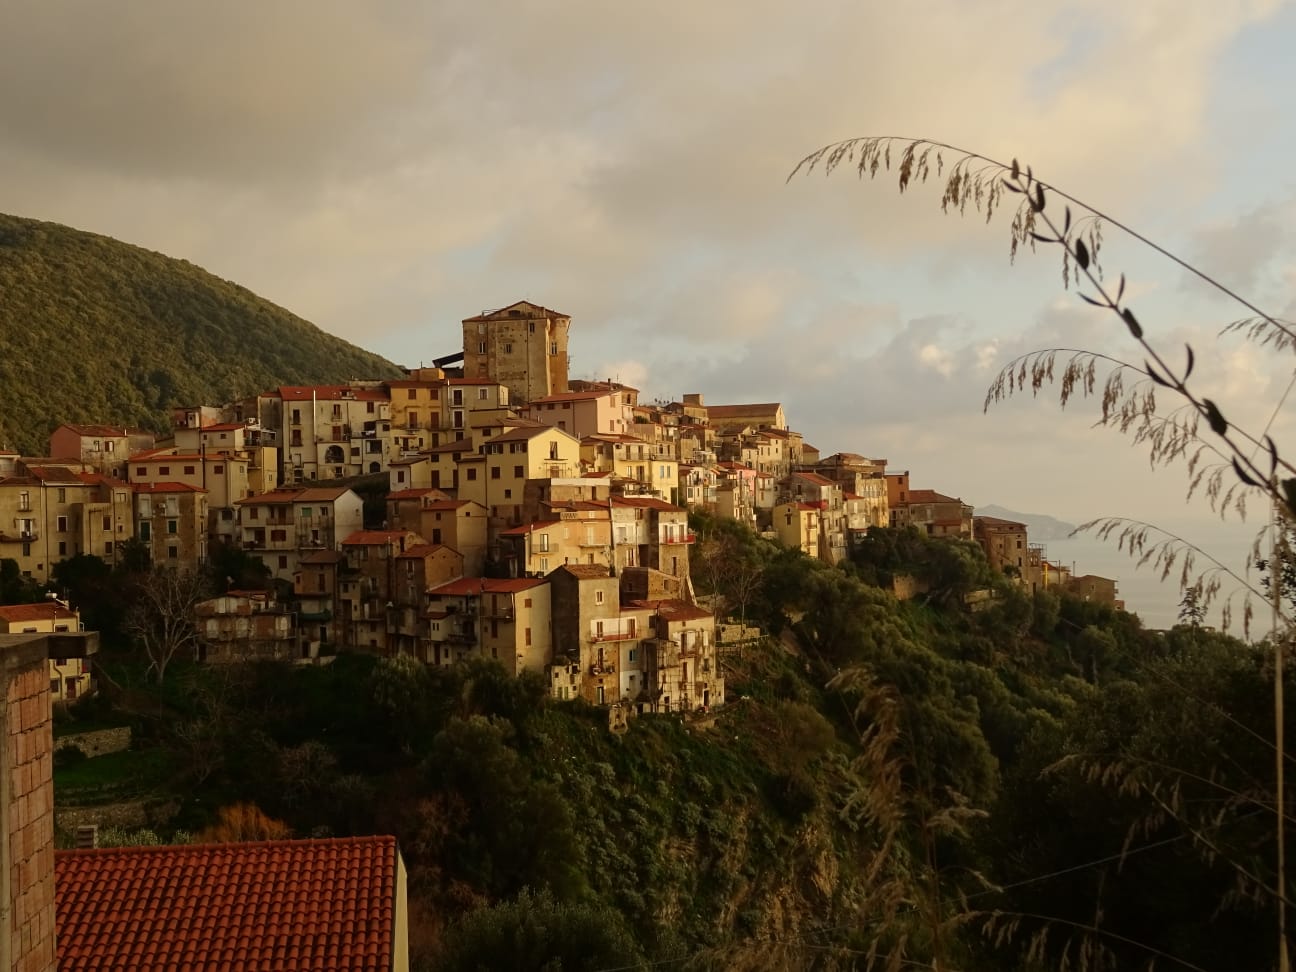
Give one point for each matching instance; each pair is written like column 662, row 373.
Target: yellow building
column 567, row 537
column 504, row 619
column 51, row 512
column 457, row 523
column 496, row 476
column 798, row 525
column 69, row 677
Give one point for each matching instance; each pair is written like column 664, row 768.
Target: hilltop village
column 487, row 505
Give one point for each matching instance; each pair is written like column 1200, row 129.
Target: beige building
column 598, row 645
column 938, row 515
column 278, row 527
column 328, row 431
column 457, row 523
column 69, row 677
column 568, row 536
column 51, row 512
column 827, row 495
column 584, row 413
column 522, row 346
column 681, row 666
column 496, row 476
column 246, row 626
column 504, row 619
column 104, row 448
column 766, row 415
column 368, row 590
column 317, row 590
column 226, row 479
column 1007, row 547
column 171, row 521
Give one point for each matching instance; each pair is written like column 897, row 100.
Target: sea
column 1157, row 601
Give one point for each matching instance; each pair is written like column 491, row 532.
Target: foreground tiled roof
column 118, row 431
column 283, row 905
column 41, row 611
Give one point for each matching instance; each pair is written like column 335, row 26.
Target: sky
column 387, row 169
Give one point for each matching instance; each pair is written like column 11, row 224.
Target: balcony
column 607, row 636
column 679, row 538
column 502, row 613
column 19, row 536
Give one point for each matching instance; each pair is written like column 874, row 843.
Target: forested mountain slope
column 95, row 330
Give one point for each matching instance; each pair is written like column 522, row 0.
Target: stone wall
column 128, row 815
column 100, row 742
column 27, row 804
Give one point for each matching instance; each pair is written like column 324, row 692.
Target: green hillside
column 95, row 330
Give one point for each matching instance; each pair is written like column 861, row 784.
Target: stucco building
column 523, row 346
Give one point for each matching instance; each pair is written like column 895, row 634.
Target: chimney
column 27, row 807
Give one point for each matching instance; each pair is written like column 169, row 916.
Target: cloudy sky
column 387, row 169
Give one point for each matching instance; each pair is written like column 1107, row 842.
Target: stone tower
column 522, row 346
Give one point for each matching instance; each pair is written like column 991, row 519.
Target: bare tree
column 161, row 621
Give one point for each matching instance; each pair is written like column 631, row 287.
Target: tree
column 1229, row 463
column 161, row 619
column 243, row 823
column 15, row 587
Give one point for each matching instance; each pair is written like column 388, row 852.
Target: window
column 518, row 472
column 457, row 397
column 27, row 553
column 188, row 470
column 108, row 548
column 62, row 495
column 278, row 536
column 413, row 394
column 495, row 472
column 62, row 548
column 24, row 500
column 481, row 347
column 528, row 637
column 173, row 526
column 283, row 562
column 544, row 543
column 553, row 347
column 598, row 597
column 218, row 470
column 544, row 564
column 61, row 525
column 472, row 475
column 482, row 394
column 107, row 524
column 145, row 531
column 508, row 347
column 526, row 602
column 436, row 533
column 296, row 416
column 173, row 553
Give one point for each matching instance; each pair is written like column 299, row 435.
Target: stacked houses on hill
column 527, row 517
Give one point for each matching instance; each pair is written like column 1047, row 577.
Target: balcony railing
column 680, row 538
column 19, row 536
column 614, row 636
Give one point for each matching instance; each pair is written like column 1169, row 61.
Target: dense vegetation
column 896, row 783
column 95, row 330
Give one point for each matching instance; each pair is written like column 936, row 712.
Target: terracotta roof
column 322, row 557
column 459, row 445
column 533, row 312
column 285, row 905
column 487, row 585
column 407, row 494
column 54, row 474
column 118, row 431
column 423, row 549
column 738, row 411
column 673, row 609
column 41, row 611
column 584, row 571
column 929, row 496
column 318, row 494
column 809, row 506
column 329, row 393
column 369, row 538
column 815, row 478
column 524, row 432
column 273, row 498
column 998, row 523
column 450, row 504
column 167, row 488
column 576, row 396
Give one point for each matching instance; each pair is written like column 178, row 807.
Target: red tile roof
column 815, row 478
column 525, row 528
column 929, row 496
column 41, row 611
column 502, row 314
column 487, row 585
column 647, row 503
column 673, row 609
column 419, row 550
column 109, row 431
column 285, row 905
